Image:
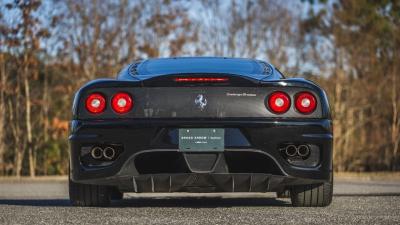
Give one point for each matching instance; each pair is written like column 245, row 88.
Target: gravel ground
column 45, row 202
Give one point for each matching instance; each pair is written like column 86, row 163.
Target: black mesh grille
column 133, row 68
column 267, row 68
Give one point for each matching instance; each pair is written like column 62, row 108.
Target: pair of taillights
column 278, row 102
column 121, row 103
column 304, row 102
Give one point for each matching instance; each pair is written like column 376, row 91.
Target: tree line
column 48, row 49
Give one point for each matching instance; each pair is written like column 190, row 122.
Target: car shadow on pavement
column 192, row 202
column 36, row 202
column 203, row 202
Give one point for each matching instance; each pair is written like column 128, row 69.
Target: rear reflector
column 201, row 79
column 95, row 103
column 278, row 102
column 305, row 102
column 122, row 103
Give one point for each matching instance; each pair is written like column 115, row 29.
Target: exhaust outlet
column 290, row 150
column 96, row 152
column 109, row 153
column 303, row 150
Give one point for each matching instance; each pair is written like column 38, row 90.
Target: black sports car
column 201, row 124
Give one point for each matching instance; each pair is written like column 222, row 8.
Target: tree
column 24, row 40
column 364, row 41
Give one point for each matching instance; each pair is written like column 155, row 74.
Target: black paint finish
column 150, row 155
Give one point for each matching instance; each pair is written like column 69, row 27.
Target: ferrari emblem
column 200, row 101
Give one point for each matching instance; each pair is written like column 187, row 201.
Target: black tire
column 283, row 194
column 313, row 195
column 89, row 195
column 116, row 194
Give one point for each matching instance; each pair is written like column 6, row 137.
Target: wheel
column 283, row 194
column 88, row 195
column 116, row 194
column 313, row 195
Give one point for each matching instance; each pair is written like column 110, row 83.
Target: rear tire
column 116, row 194
column 312, row 195
column 89, row 195
column 283, row 194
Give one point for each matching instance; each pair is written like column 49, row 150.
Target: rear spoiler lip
column 290, row 82
column 256, row 77
column 273, row 75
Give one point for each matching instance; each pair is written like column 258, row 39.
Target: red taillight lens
column 122, row 103
column 95, row 103
column 201, row 79
column 279, row 102
column 305, row 102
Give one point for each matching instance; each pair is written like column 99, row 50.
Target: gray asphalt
column 46, row 202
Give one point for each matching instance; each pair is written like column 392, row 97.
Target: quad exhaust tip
column 300, row 150
column 303, row 150
column 96, row 152
column 291, row 150
column 106, row 153
column 109, row 153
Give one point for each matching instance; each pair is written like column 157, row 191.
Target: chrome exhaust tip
column 290, row 150
column 109, row 153
column 96, row 153
column 303, row 150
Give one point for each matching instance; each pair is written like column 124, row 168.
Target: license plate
column 201, row 139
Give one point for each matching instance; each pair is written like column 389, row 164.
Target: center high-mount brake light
column 95, row 103
column 122, row 103
column 278, row 102
column 201, row 79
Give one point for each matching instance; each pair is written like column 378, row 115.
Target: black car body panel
column 146, row 139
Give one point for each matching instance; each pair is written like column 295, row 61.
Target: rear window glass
column 200, row 65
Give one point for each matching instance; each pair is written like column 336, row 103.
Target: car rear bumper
column 150, row 162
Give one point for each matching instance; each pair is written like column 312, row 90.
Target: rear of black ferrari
column 201, row 133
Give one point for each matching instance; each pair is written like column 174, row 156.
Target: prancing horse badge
column 200, row 101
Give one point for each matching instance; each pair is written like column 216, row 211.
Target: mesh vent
column 133, row 68
column 267, row 68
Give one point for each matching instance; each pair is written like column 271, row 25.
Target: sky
column 196, row 12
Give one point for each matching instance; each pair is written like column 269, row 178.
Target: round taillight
column 305, row 102
column 122, row 103
column 278, row 102
column 95, row 103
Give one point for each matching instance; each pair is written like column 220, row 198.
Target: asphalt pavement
column 46, row 202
